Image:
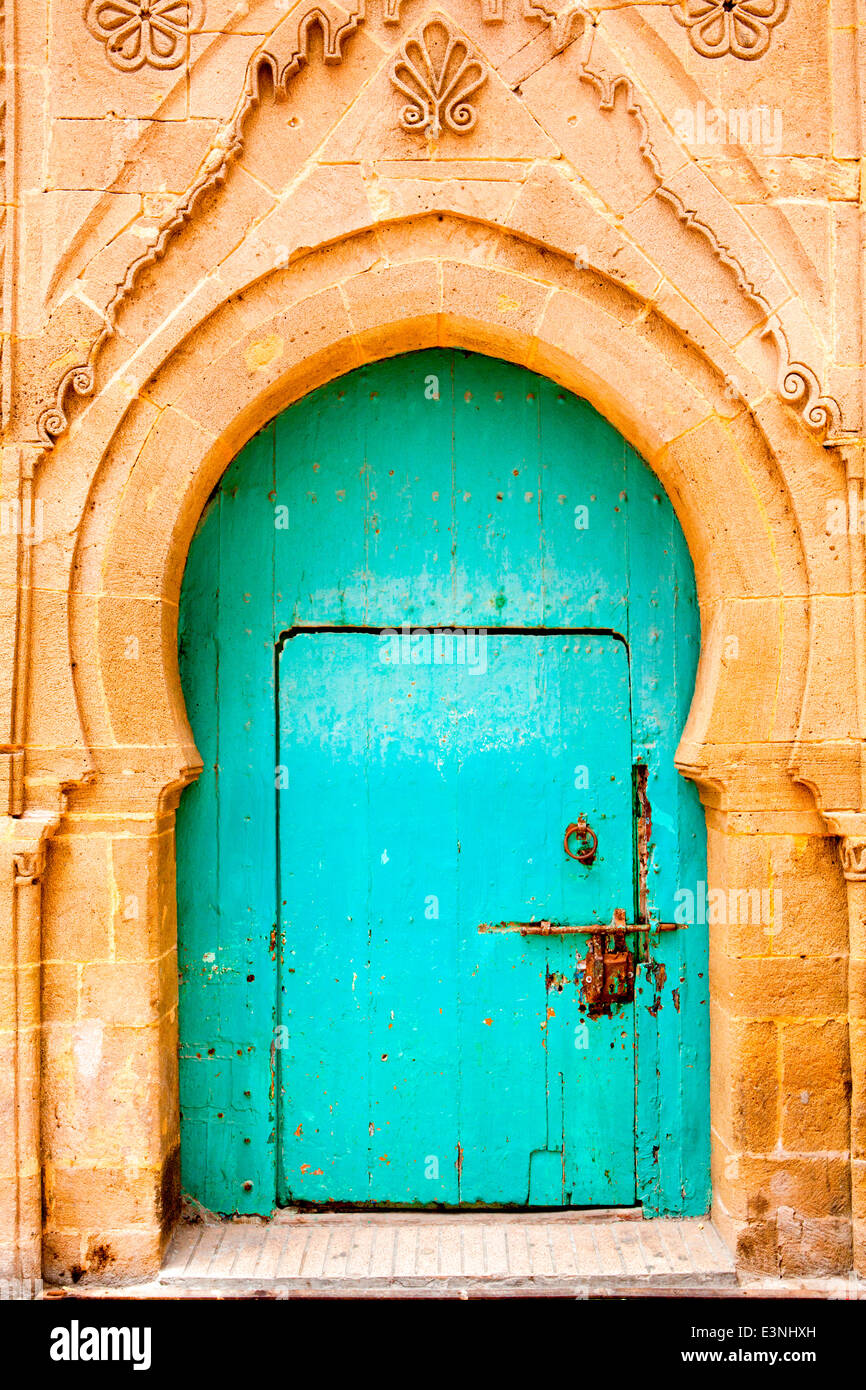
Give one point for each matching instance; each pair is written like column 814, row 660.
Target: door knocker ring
column 584, row 832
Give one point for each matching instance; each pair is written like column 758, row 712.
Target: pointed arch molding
column 272, row 68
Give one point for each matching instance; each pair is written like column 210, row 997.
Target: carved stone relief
column 741, row 28
column 29, row 867
column 853, row 852
column 144, row 33
column 438, row 73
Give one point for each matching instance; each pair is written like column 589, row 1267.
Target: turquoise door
column 425, row 807
column 435, row 613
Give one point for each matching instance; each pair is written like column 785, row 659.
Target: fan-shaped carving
column 438, row 72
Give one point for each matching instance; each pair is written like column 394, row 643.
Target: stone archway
column 136, row 469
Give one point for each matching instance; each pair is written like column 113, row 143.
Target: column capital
column 852, row 850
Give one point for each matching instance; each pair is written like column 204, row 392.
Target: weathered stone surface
column 192, row 247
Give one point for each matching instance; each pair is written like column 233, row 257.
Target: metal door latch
column 584, row 831
column 608, row 976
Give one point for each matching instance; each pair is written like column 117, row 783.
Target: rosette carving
column 742, row 28
column 144, row 33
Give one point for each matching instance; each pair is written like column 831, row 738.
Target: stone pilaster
column 22, row 867
column 853, row 852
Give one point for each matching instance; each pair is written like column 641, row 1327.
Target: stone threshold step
column 317, row 1252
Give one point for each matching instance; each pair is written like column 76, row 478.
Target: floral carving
column 743, row 28
column 139, row 33
column 438, row 73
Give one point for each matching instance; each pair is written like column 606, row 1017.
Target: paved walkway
column 476, row 1253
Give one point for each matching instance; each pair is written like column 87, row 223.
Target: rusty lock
column 609, row 975
column 584, row 831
